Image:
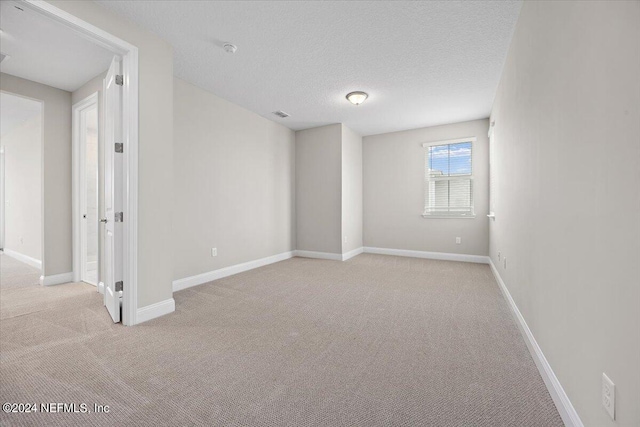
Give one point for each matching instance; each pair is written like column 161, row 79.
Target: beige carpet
column 14, row 273
column 375, row 341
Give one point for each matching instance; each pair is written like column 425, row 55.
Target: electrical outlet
column 214, row 252
column 345, row 239
column 505, row 262
column 458, row 240
column 609, row 396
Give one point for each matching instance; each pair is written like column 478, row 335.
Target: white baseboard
column 328, row 255
column 480, row 259
column 155, row 310
column 36, row 263
column 351, row 254
column 563, row 404
column 319, row 255
column 56, row 279
column 199, row 279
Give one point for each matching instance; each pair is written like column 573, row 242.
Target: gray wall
column 155, row 165
column 89, row 88
column 567, row 165
column 394, row 192
column 351, row 190
column 56, row 161
column 319, row 189
column 233, row 184
column 23, row 188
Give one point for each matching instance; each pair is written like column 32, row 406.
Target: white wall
column 155, row 174
column 233, row 184
column 567, row 165
column 394, row 192
column 23, row 188
column 319, row 189
column 351, row 190
column 56, row 164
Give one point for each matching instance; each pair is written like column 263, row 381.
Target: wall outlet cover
column 214, row 252
column 609, row 396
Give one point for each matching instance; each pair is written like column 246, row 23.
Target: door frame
column 78, row 183
column 129, row 55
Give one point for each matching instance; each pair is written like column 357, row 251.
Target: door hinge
column 119, row 147
column 119, row 217
column 119, row 80
column 119, row 286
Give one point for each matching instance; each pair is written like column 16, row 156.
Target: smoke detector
column 281, row 114
column 230, row 48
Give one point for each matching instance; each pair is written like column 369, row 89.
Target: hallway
column 21, row 292
column 16, row 274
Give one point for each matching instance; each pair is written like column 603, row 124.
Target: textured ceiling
column 15, row 110
column 47, row 52
column 422, row 63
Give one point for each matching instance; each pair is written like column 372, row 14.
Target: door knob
column 103, row 220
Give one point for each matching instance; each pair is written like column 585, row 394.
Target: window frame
column 425, row 146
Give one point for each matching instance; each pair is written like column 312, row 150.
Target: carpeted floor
column 375, row 341
column 14, row 273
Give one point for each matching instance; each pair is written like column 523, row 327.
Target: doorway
column 21, row 203
column 121, row 115
column 85, row 149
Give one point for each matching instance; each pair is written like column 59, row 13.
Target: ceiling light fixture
column 357, row 98
column 230, row 48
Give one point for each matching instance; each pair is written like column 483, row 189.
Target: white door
column 88, row 183
column 112, row 190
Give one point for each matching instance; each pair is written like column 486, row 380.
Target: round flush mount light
column 230, row 48
column 357, row 98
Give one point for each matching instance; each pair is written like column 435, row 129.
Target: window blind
column 449, row 178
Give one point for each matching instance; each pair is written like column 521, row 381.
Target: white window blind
column 449, row 178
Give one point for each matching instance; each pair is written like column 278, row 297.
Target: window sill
column 449, row 216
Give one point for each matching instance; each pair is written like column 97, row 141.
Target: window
column 449, row 179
